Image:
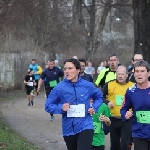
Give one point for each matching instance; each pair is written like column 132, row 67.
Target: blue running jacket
column 74, row 93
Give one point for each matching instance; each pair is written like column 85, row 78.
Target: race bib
column 143, row 116
column 76, row 111
column 53, row 83
column 97, row 127
column 30, row 84
column 119, row 100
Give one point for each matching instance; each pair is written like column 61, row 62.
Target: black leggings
column 102, row 147
column 120, row 134
column 141, row 144
column 80, row 141
column 48, row 90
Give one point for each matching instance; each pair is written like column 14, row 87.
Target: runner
column 71, row 98
column 29, row 85
column 138, row 98
column 98, row 119
column 120, row 132
column 100, row 67
column 52, row 75
column 137, row 57
column 109, row 73
column 37, row 70
column 89, row 69
column 84, row 75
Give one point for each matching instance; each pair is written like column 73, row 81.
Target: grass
column 9, row 140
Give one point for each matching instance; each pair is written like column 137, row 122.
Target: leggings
column 80, row 141
column 48, row 90
column 141, row 144
column 102, row 147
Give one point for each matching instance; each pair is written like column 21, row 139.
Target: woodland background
column 59, row 29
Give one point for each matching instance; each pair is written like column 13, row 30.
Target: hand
column 128, row 114
column 91, row 111
column 105, row 119
column 110, row 105
column 66, row 106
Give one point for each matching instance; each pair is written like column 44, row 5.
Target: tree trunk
column 142, row 27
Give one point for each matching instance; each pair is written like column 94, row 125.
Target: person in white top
column 89, row 69
column 101, row 67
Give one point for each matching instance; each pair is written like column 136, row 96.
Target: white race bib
column 30, row 84
column 76, row 111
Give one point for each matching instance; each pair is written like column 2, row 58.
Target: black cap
column 29, row 70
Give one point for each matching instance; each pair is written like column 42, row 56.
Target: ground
column 34, row 123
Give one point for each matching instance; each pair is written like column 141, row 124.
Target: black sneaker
column 29, row 104
column 32, row 103
column 52, row 118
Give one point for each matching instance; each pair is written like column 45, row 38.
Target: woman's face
column 70, row 71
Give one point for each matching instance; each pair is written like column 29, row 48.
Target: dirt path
column 34, row 124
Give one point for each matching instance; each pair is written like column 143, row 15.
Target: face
column 51, row 64
column 33, row 62
column 113, row 62
column 70, row 71
column 82, row 64
column 56, row 64
column 101, row 64
column 89, row 64
column 141, row 74
column 137, row 57
column 31, row 72
column 121, row 74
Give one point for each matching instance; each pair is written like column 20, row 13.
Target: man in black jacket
column 137, row 57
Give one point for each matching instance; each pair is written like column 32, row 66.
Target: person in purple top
column 137, row 97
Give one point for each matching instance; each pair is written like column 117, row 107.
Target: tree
column 98, row 12
column 142, row 27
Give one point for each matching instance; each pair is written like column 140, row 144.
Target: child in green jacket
column 99, row 135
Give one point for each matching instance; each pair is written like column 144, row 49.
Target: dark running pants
column 102, row 147
column 48, row 90
column 80, row 141
column 141, row 144
column 120, row 134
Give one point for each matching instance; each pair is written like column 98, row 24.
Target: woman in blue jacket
column 71, row 98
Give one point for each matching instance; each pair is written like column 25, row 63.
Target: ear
column 78, row 70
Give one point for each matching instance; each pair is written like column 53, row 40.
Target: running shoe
column 52, row 118
column 32, row 103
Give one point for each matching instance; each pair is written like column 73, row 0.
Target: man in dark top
column 84, row 75
column 137, row 57
column 52, row 75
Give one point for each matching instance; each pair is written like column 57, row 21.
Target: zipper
column 76, row 104
column 75, row 93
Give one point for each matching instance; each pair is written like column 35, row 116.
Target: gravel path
column 33, row 123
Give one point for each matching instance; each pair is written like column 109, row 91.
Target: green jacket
column 105, row 75
column 99, row 138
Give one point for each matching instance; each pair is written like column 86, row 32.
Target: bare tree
column 142, row 27
column 98, row 12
